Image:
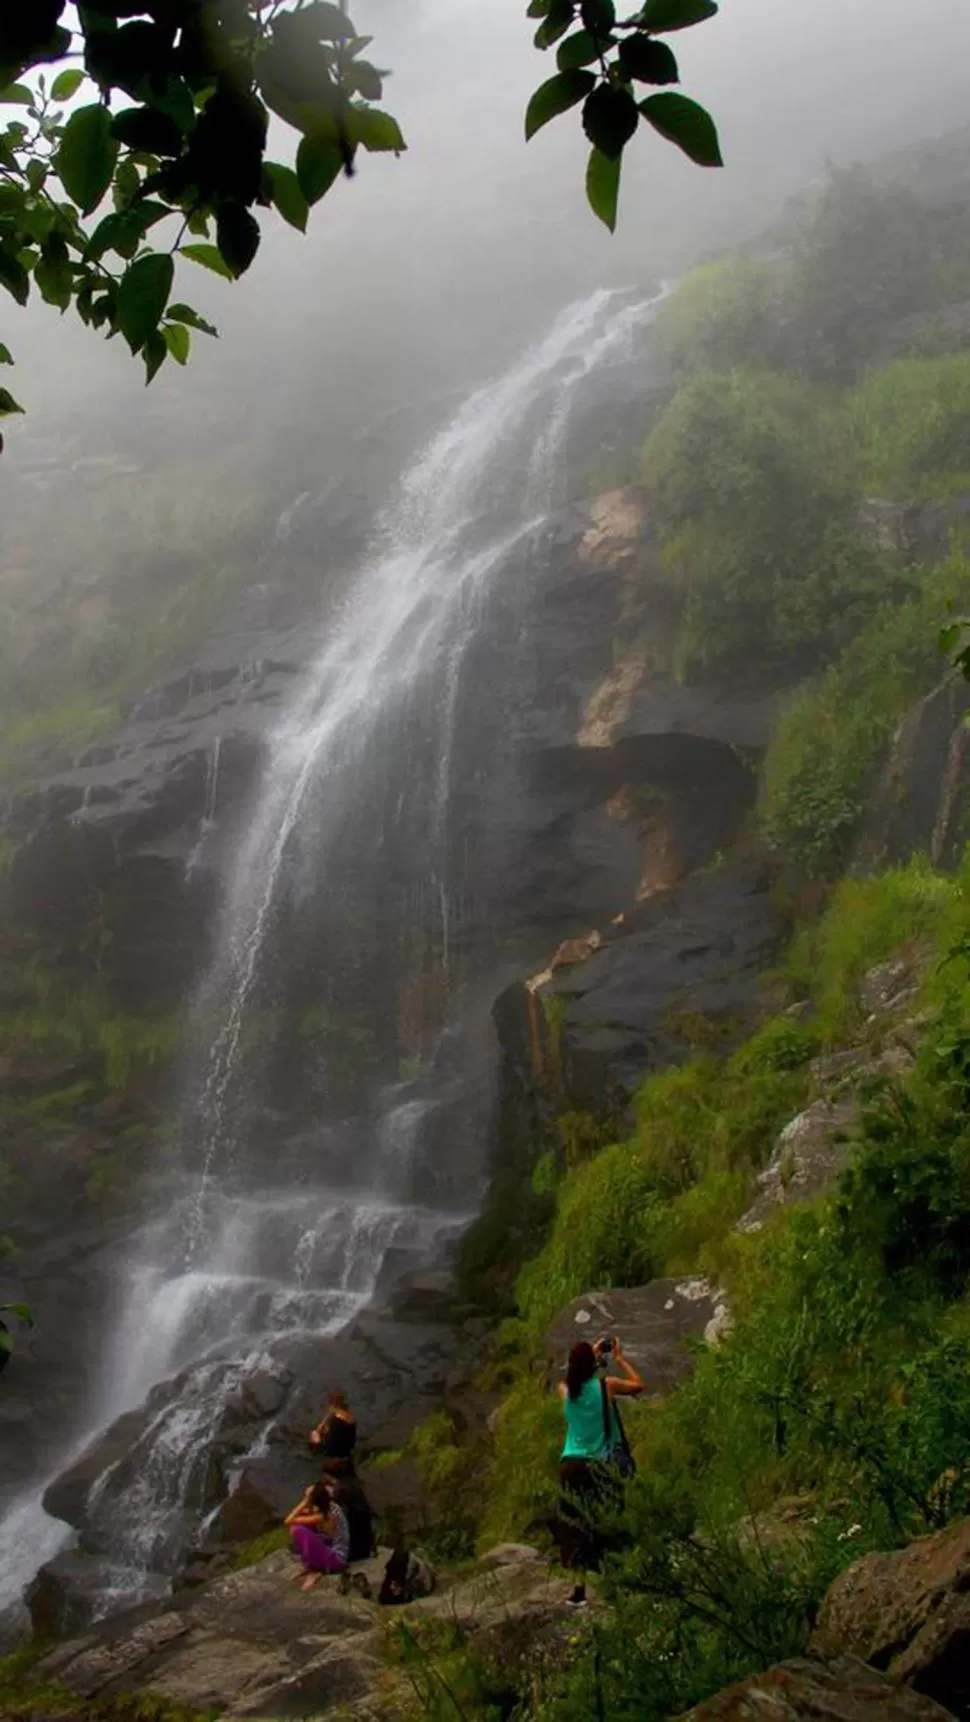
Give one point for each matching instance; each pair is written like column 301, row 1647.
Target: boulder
column 251, row 1644
column 804, row 1690
column 920, row 804
column 655, row 1324
column 907, row 1612
column 806, row 1160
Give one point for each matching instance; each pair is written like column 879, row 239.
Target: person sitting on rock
column 587, row 1488
column 319, row 1532
column 335, row 1436
column 406, row 1578
column 349, row 1496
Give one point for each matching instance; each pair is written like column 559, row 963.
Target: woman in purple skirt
column 320, row 1534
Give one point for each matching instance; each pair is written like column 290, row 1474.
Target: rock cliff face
column 584, row 786
column 604, row 909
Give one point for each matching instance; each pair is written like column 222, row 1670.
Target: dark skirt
column 588, row 1499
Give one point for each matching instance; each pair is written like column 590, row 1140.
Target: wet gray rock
column 656, row 1324
column 921, row 801
column 808, row 1691
column 806, row 1160
column 907, row 1611
column 587, row 1034
column 252, row 1644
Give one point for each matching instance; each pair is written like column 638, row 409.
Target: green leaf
column 154, row 353
column 287, row 195
column 87, row 156
column 603, row 186
column 577, row 50
column 143, row 295
column 209, row 257
column 123, row 232
column 661, row 16
column 21, row 1310
column 599, row 16
column 14, row 276
column 6, row 1339
column 55, row 282
column 178, row 341
column 6, row 357
column 19, row 94
column 374, row 130
column 7, row 406
column 317, row 165
column 185, row 314
column 328, row 23
column 556, row 96
column 647, row 61
column 556, row 22
column 366, row 80
column 237, row 236
column 146, row 129
column 610, row 119
column 537, row 8
column 67, row 84
column 686, row 124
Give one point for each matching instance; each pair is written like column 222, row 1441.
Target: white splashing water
column 219, row 1280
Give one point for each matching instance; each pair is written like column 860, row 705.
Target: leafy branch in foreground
column 166, row 158
column 604, row 64
column 149, row 146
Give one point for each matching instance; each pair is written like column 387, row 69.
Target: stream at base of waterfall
column 260, row 1235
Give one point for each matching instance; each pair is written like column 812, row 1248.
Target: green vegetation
column 912, row 424
column 829, row 744
column 752, row 476
column 788, row 416
column 270, row 1543
column 835, row 1416
column 722, row 315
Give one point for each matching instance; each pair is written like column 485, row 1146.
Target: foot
column 310, row 1581
column 579, row 1598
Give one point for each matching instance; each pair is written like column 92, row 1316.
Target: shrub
column 912, row 421
column 831, row 741
column 753, row 488
column 723, row 314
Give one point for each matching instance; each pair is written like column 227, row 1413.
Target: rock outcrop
column 804, row 1690
column 655, row 1323
column 908, row 1612
column 253, row 1645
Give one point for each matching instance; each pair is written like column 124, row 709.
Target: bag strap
column 607, row 1418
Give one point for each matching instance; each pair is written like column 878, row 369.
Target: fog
column 423, row 272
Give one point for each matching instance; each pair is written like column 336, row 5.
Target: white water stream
column 237, row 1262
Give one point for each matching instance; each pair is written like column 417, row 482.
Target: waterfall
column 274, row 1230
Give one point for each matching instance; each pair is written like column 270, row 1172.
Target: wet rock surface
column 804, row 1690
column 691, row 957
column 254, row 1464
column 908, row 1612
column 252, row 1644
column 655, row 1323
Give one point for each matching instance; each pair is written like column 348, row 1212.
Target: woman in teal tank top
column 587, row 1400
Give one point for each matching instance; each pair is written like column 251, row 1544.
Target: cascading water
column 337, row 938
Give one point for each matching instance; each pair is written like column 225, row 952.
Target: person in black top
column 335, row 1436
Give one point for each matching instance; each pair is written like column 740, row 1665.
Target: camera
column 605, row 1347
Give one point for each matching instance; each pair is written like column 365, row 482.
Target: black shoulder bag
column 616, row 1447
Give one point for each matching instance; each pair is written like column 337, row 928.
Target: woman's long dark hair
column 580, row 1368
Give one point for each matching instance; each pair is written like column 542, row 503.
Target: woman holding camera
column 335, row 1436
column 593, row 1430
